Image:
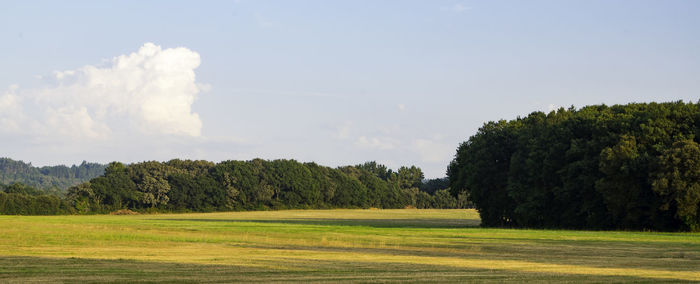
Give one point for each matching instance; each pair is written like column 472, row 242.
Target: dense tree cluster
column 20, row 199
column 184, row 185
column 634, row 166
column 56, row 178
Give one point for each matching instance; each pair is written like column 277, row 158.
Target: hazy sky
column 336, row 82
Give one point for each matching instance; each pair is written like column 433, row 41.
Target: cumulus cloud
column 150, row 91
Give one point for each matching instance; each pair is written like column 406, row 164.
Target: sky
column 335, row 82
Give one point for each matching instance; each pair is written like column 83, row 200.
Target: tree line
column 20, row 199
column 53, row 178
column 634, row 166
column 203, row 186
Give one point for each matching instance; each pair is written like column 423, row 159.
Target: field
column 331, row 246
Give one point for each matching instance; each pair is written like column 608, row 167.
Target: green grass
column 331, row 246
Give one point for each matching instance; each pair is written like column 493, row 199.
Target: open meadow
column 405, row 245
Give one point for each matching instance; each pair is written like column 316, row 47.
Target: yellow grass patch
column 321, row 240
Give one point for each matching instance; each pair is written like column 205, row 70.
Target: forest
column 203, row 186
column 634, row 166
column 50, row 178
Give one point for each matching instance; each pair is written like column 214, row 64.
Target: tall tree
column 677, row 181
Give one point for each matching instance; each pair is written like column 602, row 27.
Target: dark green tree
column 677, row 182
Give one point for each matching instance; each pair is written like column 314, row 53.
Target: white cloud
column 375, row 143
column 432, row 151
column 552, row 107
column 343, row 130
column 67, row 121
column 456, row 8
column 10, row 111
column 60, row 74
column 459, row 8
column 150, row 91
column 401, row 107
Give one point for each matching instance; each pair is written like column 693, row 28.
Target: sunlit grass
column 337, row 245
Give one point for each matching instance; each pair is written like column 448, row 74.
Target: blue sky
column 336, row 82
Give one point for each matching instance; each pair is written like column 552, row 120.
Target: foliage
column 677, row 182
column 57, row 178
column 13, row 202
column 432, row 185
column 634, row 166
column 201, row 186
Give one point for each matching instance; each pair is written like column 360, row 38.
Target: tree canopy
column 48, row 177
column 185, row 185
column 634, row 166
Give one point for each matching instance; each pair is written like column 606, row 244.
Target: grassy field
column 331, row 246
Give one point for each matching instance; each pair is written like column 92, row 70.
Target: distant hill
column 48, row 177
